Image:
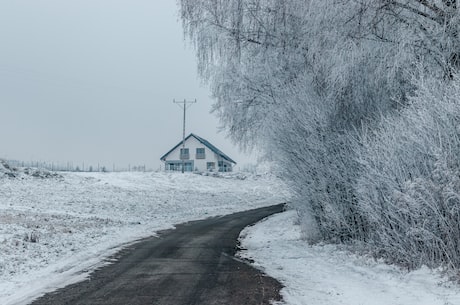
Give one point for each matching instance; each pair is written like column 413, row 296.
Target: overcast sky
column 94, row 80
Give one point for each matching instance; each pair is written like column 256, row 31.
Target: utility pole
column 184, row 105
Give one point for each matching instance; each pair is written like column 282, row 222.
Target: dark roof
column 205, row 143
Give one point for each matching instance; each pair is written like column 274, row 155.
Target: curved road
column 192, row 264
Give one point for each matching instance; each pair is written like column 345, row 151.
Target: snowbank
column 52, row 230
column 326, row 275
column 7, row 171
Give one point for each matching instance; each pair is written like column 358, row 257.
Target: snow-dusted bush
column 409, row 188
column 32, row 237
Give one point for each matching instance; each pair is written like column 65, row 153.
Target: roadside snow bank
column 51, row 230
column 325, row 275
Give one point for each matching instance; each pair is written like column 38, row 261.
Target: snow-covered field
column 326, row 275
column 54, row 229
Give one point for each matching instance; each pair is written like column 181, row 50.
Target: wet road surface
column 193, row 264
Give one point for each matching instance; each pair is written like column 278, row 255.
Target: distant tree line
column 357, row 102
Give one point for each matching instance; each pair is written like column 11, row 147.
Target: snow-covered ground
column 326, row 275
column 53, row 229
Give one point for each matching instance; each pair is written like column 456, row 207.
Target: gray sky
column 93, row 81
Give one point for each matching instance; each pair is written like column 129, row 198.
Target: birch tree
column 315, row 84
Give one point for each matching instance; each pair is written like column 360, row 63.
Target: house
column 198, row 155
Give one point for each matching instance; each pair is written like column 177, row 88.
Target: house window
column 188, row 166
column 177, row 166
column 174, row 166
column 184, row 154
column 211, row 166
column 224, row 166
column 200, row 153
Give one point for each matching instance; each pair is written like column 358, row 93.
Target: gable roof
column 205, row 143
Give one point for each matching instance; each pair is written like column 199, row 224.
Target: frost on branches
column 355, row 101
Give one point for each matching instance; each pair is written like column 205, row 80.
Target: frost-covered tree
column 312, row 82
column 272, row 64
column 430, row 27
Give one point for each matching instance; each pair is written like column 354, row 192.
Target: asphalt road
column 193, row 264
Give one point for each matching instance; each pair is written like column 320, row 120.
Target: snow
column 325, row 274
column 54, row 229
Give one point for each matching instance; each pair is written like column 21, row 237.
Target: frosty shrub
column 33, row 237
column 409, row 189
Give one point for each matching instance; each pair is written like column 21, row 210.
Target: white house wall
column 192, row 144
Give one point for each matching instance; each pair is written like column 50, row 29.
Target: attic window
column 200, row 153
